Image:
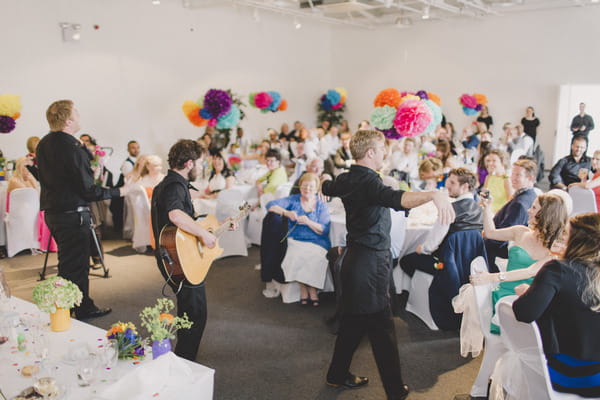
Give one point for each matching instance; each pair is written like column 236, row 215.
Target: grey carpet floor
column 261, row 348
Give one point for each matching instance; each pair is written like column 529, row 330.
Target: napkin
column 166, row 374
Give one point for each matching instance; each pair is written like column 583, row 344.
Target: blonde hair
column 58, row 114
column 32, row 143
column 362, row 141
column 149, row 159
column 19, row 166
column 430, row 164
column 309, row 176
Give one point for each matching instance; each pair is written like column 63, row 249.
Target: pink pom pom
column 337, row 106
column 212, row 122
column 413, row 118
column 468, row 101
column 263, row 100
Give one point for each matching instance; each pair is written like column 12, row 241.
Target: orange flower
column 168, row 318
column 388, row 97
column 438, row 265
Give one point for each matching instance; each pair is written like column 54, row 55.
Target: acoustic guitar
column 187, row 258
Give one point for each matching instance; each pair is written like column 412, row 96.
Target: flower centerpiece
column 10, row 111
column 162, row 325
column 57, row 296
column 331, row 106
column 129, row 342
column 399, row 114
column 472, row 104
column 268, row 101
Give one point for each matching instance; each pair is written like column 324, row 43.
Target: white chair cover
column 494, row 347
column 521, row 373
column 127, row 219
column 254, row 230
column 418, row 298
column 283, row 190
column 21, row 221
column 140, row 207
column 584, row 200
column 233, row 242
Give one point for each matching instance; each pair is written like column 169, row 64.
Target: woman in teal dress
column 531, row 247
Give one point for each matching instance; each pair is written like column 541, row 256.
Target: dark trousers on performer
column 73, row 239
column 191, row 300
column 379, row 327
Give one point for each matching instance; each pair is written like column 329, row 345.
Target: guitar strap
column 166, row 258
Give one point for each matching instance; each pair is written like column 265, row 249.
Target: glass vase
column 160, row 347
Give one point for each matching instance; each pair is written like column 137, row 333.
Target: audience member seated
column 514, row 212
column 460, row 184
column 298, row 164
column 594, row 183
column 31, row 144
column 497, row 181
column 342, row 160
column 470, row 138
column 520, row 144
column 431, row 174
column 314, row 166
column 444, row 153
column 547, row 219
column 482, row 150
column 220, row 178
column 564, row 300
column 485, row 118
column 276, row 175
column 442, row 134
column 305, row 260
column 151, row 174
column 406, row 160
column 259, row 155
column 566, row 170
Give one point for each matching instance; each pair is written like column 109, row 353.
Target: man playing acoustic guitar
column 172, row 205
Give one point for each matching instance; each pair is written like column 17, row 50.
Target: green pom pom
column 251, row 99
column 383, row 117
column 200, row 102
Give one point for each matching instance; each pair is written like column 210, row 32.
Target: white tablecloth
column 209, row 206
column 12, row 382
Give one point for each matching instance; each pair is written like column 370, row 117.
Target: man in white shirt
column 133, row 148
column 520, row 145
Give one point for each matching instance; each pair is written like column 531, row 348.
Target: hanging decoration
column 331, row 106
column 400, row 114
column 472, row 104
column 268, row 101
column 216, row 108
column 10, row 111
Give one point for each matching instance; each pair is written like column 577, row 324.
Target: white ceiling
column 372, row 14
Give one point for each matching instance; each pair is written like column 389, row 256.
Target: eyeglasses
column 308, row 187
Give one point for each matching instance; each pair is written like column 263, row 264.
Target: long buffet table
column 146, row 379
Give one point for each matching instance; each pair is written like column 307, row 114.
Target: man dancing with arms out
column 172, row 205
column 366, row 269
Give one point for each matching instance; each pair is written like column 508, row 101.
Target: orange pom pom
column 197, row 120
column 283, row 106
column 481, row 98
column 388, row 97
column 16, row 116
column 190, row 107
column 435, row 98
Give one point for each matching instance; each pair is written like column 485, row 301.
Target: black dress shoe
column 95, row 313
column 351, row 382
column 402, row 395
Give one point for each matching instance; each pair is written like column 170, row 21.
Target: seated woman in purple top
column 308, row 238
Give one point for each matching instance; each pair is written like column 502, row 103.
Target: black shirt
column 172, row 193
column 567, row 325
column 65, row 174
column 366, row 200
column 566, row 170
column 530, row 126
column 579, row 121
column 488, row 121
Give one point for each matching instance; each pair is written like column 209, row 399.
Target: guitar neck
column 225, row 226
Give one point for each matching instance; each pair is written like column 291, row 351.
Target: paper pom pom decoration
column 400, row 114
column 10, row 111
column 331, row 106
column 215, row 108
column 472, row 104
column 268, row 101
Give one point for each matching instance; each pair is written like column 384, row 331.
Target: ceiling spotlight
column 425, row 12
column 297, row 23
column 70, row 32
column 156, row 2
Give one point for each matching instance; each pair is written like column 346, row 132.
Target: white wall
column 516, row 61
column 130, row 77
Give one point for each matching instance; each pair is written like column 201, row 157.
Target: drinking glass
column 85, row 369
column 109, row 354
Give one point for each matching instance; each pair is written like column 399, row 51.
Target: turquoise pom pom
column 229, row 120
column 436, row 113
column 383, row 117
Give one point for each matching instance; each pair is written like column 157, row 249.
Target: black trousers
column 191, row 300
column 379, row 327
column 73, row 236
column 422, row 262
